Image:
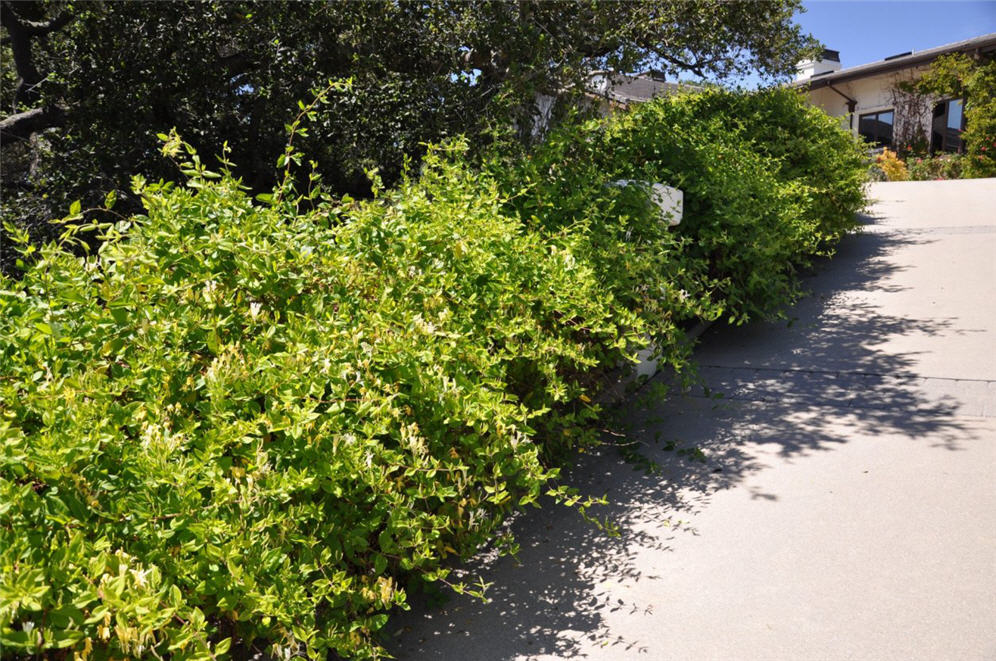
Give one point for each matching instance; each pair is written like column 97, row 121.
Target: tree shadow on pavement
column 800, row 385
column 832, row 354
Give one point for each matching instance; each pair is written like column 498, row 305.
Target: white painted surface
column 669, row 200
column 809, row 68
column 872, row 93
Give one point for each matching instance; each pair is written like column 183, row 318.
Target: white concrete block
column 670, row 200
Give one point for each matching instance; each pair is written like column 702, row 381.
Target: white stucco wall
column 872, row 94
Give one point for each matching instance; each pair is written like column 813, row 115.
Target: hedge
column 769, row 182
column 244, row 423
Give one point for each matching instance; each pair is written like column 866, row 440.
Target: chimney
column 829, row 62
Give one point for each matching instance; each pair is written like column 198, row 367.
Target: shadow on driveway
column 788, row 386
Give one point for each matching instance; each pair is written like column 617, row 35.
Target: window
column 947, row 125
column 954, row 115
column 877, row 127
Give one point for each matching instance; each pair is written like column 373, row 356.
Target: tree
column 87, row 86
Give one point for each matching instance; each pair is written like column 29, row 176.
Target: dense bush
column 974, row 80
column 243, row 422
column 943, row 166
column 227, row 72
column 893, row 167
column 811, row 154
column 251, row 422
column 769, row 181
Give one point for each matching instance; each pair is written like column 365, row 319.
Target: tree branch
column 10, row 20
column 23, row 124
column 37, row 29
column 20, row 33
column 697, row 67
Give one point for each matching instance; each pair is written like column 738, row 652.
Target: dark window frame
column 876, row 133
column 943, row 138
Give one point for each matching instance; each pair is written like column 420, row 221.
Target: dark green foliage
column 769, row 182
column 111, row 75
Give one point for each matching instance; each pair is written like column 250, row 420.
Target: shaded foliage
column 768, row 180
column 96, row 81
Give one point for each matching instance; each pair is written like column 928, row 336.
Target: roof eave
column 984, row 43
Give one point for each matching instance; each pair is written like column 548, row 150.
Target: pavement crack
column 796, row 370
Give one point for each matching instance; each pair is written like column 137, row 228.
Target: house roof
column 631, row 88
column 982, row 44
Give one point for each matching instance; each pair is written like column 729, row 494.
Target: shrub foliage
column 960, row 76
column 892, row 166
column 249, row 422
column 768, row 181
column 943, row 166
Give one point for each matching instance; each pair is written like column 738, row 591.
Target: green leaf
column 214, row 342
column 377, row 622
column 119, row 314
column 64, row 638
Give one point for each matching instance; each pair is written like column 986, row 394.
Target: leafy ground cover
column 251, row 423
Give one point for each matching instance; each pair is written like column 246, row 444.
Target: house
column 867, row 101
column 618, row 90
column 607, row 92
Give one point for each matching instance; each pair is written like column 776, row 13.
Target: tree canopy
column 86, row 86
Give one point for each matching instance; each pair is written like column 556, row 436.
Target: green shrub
column 980, row 119
column 244, row 422
column 811, row 152
column 944, row 166
column 974, row 80
column 768, row 182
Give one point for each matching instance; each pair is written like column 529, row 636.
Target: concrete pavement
column 837, row 502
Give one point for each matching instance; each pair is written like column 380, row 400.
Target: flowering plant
column 893, row 167
column 944, row 166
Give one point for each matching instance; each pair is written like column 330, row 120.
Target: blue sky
column 866, row 31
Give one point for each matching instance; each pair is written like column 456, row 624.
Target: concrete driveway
column 837, row 502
